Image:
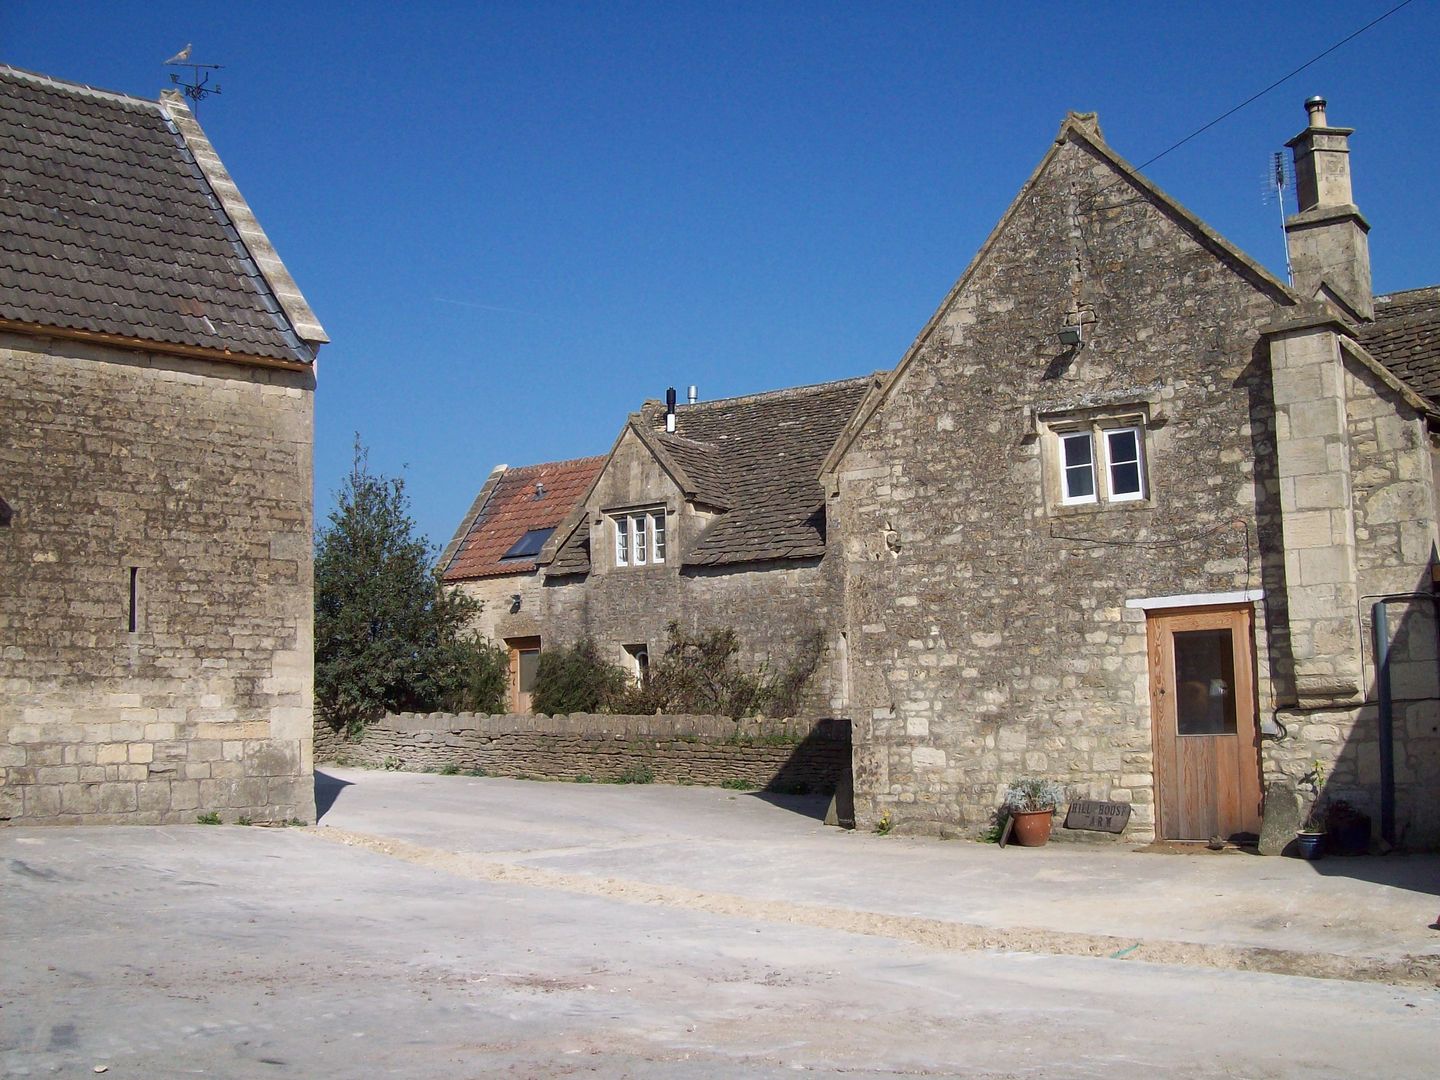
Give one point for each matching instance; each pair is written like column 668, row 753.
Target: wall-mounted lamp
column 1070, row 335
column 515, row 601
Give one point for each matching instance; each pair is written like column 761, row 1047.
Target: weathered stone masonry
column 780, row 754
column 197, row 474
column 988, row 624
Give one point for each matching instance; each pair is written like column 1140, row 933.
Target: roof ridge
column 85, row 88
column 797, row 391
column 1395, row 294
column 553, row 464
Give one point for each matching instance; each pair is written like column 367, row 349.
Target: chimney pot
column 670, row 409
column 1315, row 106
column 693, row 395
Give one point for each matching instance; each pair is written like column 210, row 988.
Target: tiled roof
column 767, row 450
column 110, row 226
column 1405, row 337
column 519, row 501
column 574, row 555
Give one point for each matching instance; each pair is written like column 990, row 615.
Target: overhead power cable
column 1285, row 78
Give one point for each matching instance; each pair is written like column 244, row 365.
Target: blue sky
column 517, row 221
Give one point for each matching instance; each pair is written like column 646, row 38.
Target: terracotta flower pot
column 1032, row 827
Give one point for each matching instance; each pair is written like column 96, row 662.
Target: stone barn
column 157, row 372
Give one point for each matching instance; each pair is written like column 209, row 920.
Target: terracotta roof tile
column 522, row 499
column 1405, row 337
column 108, row 225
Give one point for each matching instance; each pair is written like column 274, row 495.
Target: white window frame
column 1139, row 462
column 640, row 537
column 1098, row 431
column 1063, row 439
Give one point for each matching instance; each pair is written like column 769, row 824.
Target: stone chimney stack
column 1329, row 249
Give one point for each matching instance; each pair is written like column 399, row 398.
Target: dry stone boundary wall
column 779, row 754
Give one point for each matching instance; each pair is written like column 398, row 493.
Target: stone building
column 709, row 514
column 491, row 557
column 1122, row 515
column 157, row 369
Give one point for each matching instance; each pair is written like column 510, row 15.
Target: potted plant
column 1031, row 803
column 1310, row 837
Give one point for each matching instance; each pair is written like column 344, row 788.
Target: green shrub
column 699, row 672
column 734, row 783
column 636, row 774
column 574, row 678
column 450, row 770
column 210, row 817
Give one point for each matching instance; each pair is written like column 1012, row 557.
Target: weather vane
column 199, row 85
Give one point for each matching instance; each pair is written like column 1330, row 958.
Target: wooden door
column 524, row 658
column 1202, row 701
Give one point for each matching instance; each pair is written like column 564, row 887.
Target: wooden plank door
column 1202, row 701
column 524, row 659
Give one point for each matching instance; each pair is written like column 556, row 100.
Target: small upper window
column 639, row 537
column 1101, row 463
column 5, row 513
column 1122, row 460
column 529, row 545
column 1078, row 458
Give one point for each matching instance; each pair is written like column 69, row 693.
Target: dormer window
column 639, row 537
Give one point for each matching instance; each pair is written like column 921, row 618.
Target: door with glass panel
column 1202, row 698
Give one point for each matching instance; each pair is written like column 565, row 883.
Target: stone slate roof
column 766, row 451
column 574, row 555
column 1405, row 337
column 110, row 226
column 757, row 456
column 510, row 507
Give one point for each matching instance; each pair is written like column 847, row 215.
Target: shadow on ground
column 811, row 806
column 1413, row 873
column 327, row 790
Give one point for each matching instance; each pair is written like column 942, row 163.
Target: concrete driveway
column 449, row 926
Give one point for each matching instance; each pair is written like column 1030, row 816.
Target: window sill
column 1125, row 506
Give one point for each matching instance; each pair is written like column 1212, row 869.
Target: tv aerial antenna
column 1278, row 178
column 199, row 86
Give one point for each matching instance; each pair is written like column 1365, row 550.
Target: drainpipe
column 1380, row 623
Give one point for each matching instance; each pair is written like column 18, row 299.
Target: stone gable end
column 987, row 623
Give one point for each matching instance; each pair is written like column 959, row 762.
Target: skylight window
column 529, row 545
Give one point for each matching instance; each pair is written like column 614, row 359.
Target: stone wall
column 779, row 754
column 1391, row 506
column 193, row 479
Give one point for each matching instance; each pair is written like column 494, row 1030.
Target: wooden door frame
column 517, row 645
column 1160, row 626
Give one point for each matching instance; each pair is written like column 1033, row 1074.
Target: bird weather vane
column 199, row 85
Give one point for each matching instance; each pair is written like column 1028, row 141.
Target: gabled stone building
column 157, row 369
column 709, row 515
column 1123, row 513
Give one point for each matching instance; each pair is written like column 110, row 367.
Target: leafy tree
column 574, row 678
column 387, row 638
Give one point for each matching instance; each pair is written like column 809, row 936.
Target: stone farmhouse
column 704, row 513
column 492, row 556
column 1133, row 514
column 157, row 371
